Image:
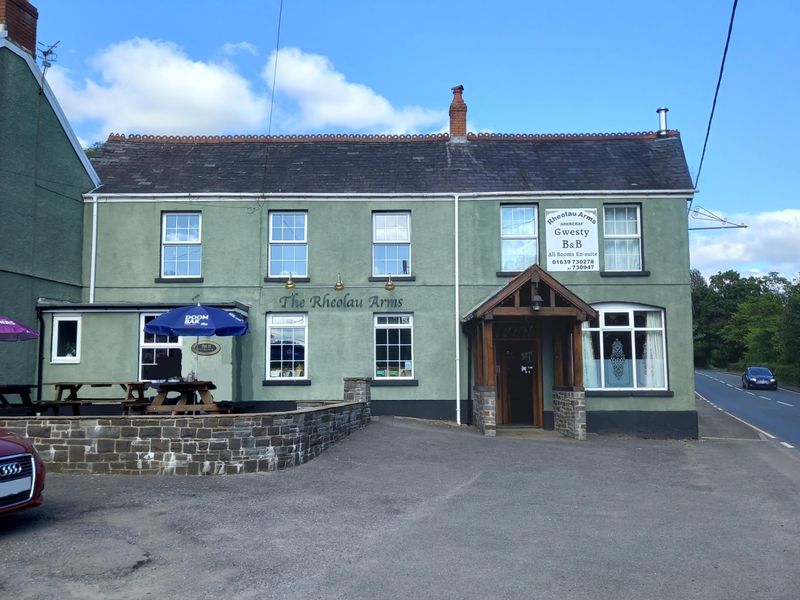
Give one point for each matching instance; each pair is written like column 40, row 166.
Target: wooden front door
column 519, row 383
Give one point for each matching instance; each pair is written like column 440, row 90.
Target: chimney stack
column 18, row 21
column 458, row 115
column 662, row 121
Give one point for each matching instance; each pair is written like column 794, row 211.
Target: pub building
column 515, row 280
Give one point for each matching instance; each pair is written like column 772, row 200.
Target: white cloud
column 148, row 86
column 232, row 49
column 326, row 100
column 771, row 242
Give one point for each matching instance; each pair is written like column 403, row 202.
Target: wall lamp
column 339, row 285
column 289, row 282
column 389, row 284
column 536, row 302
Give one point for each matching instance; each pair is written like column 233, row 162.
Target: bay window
column 625, row 348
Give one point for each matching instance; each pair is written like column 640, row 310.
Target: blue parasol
column 197, row 320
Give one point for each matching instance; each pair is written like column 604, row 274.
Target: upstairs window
column 391, row 244
column 180, row 245
column 623, row 238
column 288, row 244
column 518, row 237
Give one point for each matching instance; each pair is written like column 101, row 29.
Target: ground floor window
column 287, row 337
column 624, row 348
column 66, row 346
column 159, row 355
column 394, row 357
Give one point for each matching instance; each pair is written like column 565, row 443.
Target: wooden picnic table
column 26, row 406
column 188, row 393
column 68, row 393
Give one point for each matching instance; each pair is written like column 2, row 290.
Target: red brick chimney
column 18, row 18
column 458, row 114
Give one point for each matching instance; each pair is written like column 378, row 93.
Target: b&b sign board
column 571, row 235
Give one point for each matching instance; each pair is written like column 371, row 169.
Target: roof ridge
column 356, row 137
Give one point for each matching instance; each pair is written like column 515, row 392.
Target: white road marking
column 729, row 385
column 765, row 398
column 785, row 403
column 761, row 431
column 786, row 445
column 751, row 393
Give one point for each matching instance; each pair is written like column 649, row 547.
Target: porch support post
column 577, row 355
column 484, row 393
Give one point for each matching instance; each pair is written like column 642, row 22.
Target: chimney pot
column 662, row 120
column 458, row 115
column 19, row 18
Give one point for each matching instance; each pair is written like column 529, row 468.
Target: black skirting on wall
column 644, row 423
column 440, row 410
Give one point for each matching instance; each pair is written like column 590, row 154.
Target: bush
column 789, row 374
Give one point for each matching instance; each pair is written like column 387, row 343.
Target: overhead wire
column 272, row 98
column 716, row 95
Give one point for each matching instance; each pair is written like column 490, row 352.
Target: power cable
column 272, row 98
column 716, row 94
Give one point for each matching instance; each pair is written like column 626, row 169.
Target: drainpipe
column 458, row 312
column 93, row 266
column 40, row 356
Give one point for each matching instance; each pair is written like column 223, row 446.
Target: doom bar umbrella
column 197, row 320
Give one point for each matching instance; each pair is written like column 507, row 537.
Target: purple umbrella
column 11, row 331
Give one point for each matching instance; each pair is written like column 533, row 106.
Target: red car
column 21, row 473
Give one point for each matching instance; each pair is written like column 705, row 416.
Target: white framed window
column 288, row 244
column 287, row 341
column 622, row 235
column 625, row 348
column 391, row 243
column 519, row 240
column 181, row 248
column 160, row 356
column 66, row 346
column 394, row 347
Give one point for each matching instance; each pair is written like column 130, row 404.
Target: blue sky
column 205, row 67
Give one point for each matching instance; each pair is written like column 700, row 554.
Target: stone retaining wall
column 569, row 413
column 189, row 445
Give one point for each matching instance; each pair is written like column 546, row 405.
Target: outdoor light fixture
column 339, row 286
column 389, row 284
column 537, row 301
column 289, row 282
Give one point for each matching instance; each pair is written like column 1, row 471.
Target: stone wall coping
column 310, row 409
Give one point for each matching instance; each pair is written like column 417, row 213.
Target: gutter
column 234, row 197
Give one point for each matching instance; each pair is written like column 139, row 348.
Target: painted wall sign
column 206, row 348
column 338, row 301
column 572, row 239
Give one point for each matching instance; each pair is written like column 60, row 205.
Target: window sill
column 507, row 273
column 624, row 273
column 179, row 280
column 285, row 279
column 269, row 382
column 387, row 382
column 629, row 393
column 394, row 278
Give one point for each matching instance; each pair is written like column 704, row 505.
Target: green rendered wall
column 41, row 233
column 340, row 338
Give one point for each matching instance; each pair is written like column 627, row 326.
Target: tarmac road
column 404, row 509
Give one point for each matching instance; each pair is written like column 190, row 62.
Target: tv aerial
column 703, row 214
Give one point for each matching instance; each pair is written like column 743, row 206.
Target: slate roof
column 391, row 164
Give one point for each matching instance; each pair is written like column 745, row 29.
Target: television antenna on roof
column 703, row 214
column 47, row 54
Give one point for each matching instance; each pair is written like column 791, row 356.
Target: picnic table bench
column 187, row 394
column 68, row 393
